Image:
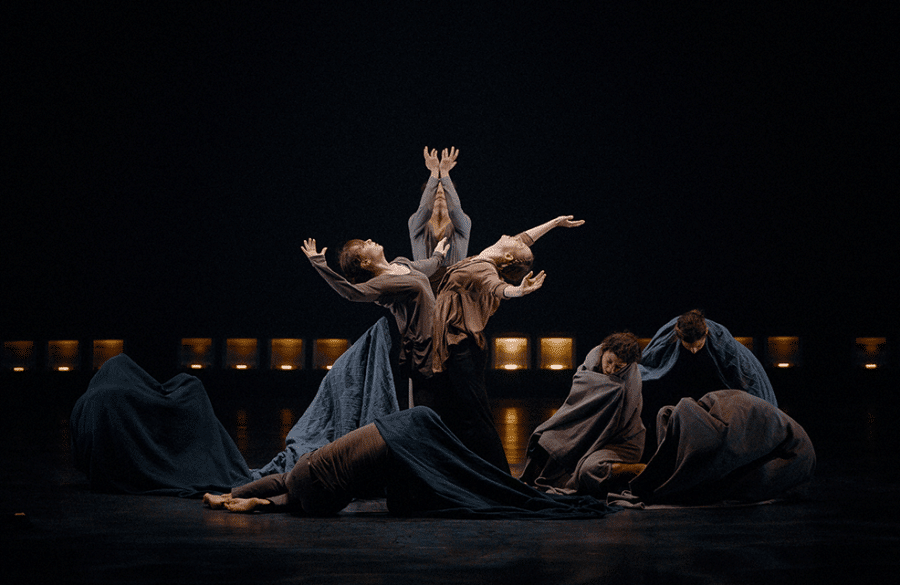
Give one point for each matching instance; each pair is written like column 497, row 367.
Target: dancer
column 690, row 356
column 401, row 286
column 593, row 444
column 421, row 467
column 727, row 446
column 469, row 293
column 439, row 215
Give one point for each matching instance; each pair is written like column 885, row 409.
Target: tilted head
column 619, row 350
column 692, row 330
column 357, row 258
column 513, row 257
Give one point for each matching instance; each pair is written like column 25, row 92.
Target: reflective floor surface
column 847, row 529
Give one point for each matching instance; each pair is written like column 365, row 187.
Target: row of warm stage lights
column 509, row 352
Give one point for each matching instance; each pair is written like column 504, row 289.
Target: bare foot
column 245, row 504
column 216, row 502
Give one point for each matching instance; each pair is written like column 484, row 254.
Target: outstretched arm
column 528, row 286
column 561, row 221
column 353, row 292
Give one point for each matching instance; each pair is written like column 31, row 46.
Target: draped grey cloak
column 728, row 446
column 599, row 423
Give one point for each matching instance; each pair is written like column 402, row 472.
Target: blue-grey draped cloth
column 133, row 434
column 358, row 388
column 728, row 446
column 431, row 473
column 736, row 366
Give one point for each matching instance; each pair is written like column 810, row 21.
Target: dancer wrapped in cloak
column 726, row 447
column 439, row 215
column 690, row 356
column 470, row 292
column 593, row 444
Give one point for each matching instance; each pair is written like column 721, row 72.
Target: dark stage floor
column 845, row 531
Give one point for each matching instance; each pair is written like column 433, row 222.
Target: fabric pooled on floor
column 431, row 473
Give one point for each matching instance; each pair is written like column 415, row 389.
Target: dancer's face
column 694, row 346
column 371, row 251
column 610, row 363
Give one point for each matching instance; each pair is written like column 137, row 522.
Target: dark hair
column 624, row 345
column 351, row 263
column 691, row 326
column 514, row 271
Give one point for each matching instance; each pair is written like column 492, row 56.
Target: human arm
column 528, row 286
column 353, row 292
column 430, row 265
column 462, row 225
column 561, row 221
column 432, row 163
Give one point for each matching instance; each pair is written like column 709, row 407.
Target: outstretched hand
column 448, row 160
column 431, row 162
column 309, row 248
column 567, row 221
column 529, row 284
column 442, row 247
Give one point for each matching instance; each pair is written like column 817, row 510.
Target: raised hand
column 567, row 221
column 529, row 284
column 432, row 163
column 442, row 247
column 448, row 160
column 309, row 248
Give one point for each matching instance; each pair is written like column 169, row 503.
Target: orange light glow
column 18, row 356
column 286, row 354
column 784, row 351
column 241, row 353
column 105, row 349
column 327, row 351
column 196, row 352
column 557, row 353
column 871, row 352
column 511, row 353
column 63, row 355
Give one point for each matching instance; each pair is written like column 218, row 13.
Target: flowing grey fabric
column 599, row 423
column 726, row 446
column 133, row 434
column 358, row 388
column 736, row 366
column 431, row 473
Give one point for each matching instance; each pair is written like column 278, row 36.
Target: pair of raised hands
column 440, row 167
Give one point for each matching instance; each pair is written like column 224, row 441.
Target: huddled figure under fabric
column 728, row 446
column 593, row 444
column 439, row 215
column 421, row 467
column 133, row 434
column 690, row 356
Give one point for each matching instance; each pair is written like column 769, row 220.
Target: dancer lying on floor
column 469, row 293
column 423, row 469
column 593, row 444
column 440, row 215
